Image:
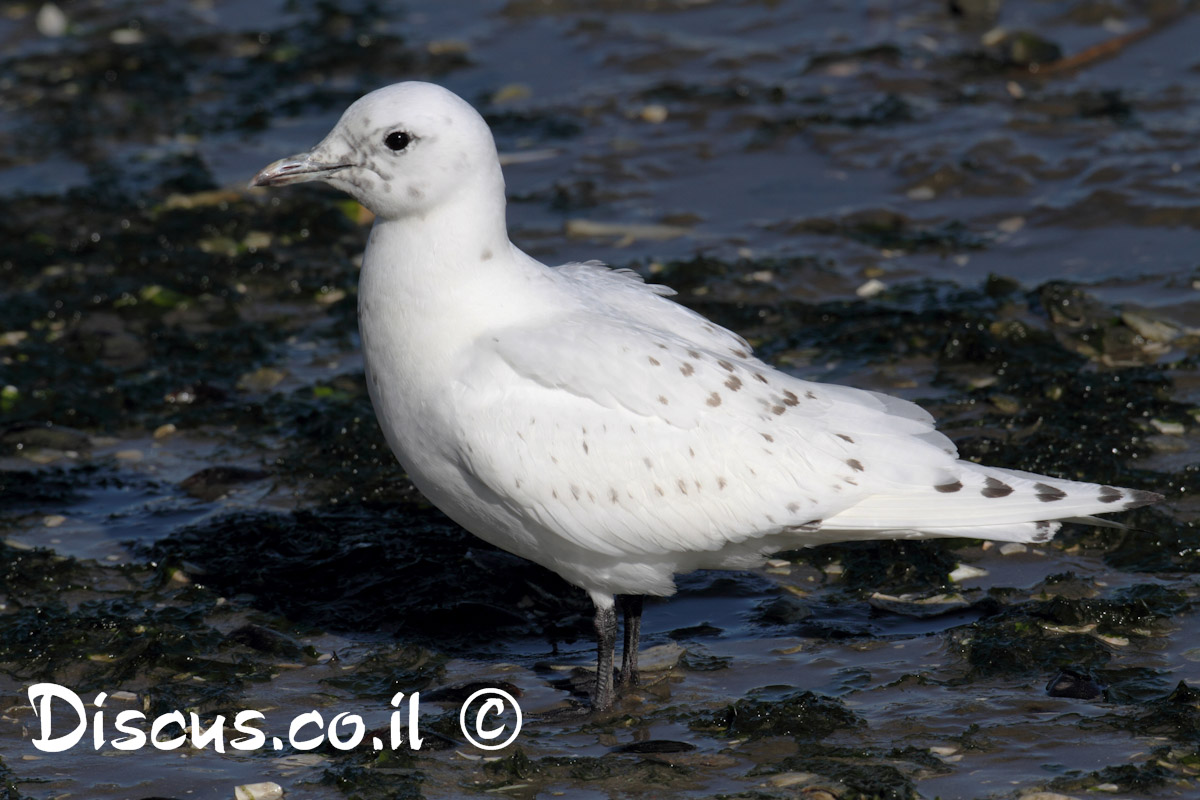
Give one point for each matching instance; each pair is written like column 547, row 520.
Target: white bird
column 577, row 417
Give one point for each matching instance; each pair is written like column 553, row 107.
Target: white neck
column 433, row 284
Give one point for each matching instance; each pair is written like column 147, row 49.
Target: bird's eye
column 398, row 140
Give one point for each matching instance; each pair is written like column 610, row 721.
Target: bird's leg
column 631, row 604
column 606, row 641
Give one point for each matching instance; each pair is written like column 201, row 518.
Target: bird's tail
column 985, row 503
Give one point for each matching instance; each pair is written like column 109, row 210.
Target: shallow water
column 198, row 509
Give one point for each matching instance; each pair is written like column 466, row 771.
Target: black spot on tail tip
column 1136, row 497
column 1110, row 494
column 947, row 488
column 1047, row 493
column 1044, row 532
column 995, row 488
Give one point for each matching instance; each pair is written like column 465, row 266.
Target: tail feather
column 987, row 503
column 1031, row 532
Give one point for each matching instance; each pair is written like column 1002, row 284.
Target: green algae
column 96, row 629
column 406, row 571
column 779, row 711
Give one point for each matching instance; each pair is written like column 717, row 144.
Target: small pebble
column 127, row 36
column 966, row 572
column 163, row 431
column 451, row 47
column 53, row 520
column 819, row 794
column 654, row 113
column 258, row 791
column 1012, row 548
column 51, row 21
column 871, row 288
column 262, row 380
column 330, row 297
column 660, row 658
column 1169, row 428
column 785, row 779
column 257, row 240
column 511, row 92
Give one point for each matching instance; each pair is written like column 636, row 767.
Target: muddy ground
column 990, row 208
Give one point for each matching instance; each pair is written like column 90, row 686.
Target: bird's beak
column 295, row 169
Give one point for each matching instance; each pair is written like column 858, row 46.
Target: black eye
column 398, row 140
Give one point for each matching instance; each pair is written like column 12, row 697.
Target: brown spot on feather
column 995, row 488
column 1047, row 493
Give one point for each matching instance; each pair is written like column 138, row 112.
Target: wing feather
column 634, row 427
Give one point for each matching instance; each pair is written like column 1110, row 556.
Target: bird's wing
column 630, row 439
column 623, row 294
column 633, row 425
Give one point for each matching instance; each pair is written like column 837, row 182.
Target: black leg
column 631, row 604
column 606, row 641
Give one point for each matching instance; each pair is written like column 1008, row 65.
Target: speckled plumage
column 580, row 418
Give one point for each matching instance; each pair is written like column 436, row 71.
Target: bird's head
column 400, row 151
